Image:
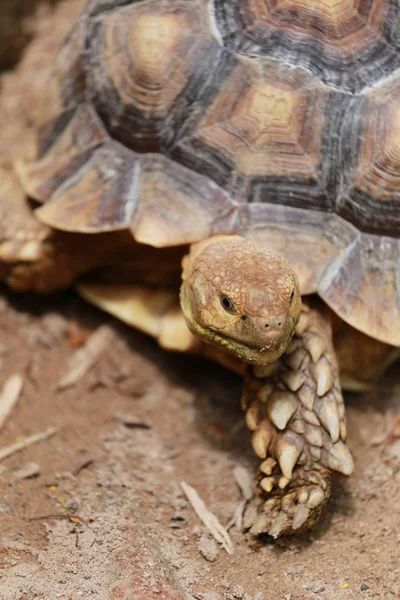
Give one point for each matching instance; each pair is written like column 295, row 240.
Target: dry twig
column 131, row 421
column 84, row 359
column 244, row 481
column 208, row 518
column 245, row 484
column 27, row 471
column 33, row 439
column 9, row 396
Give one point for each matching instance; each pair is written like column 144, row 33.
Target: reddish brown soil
column 126, row 504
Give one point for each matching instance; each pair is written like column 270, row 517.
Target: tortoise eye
column 227, row 304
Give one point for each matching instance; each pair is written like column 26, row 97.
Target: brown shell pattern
column 275, row 119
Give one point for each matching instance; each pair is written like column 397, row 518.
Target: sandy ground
column 105, row 516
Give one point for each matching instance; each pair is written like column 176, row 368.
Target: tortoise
column 257, row 144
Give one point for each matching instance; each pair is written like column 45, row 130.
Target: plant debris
column 244, row 481
column 131, row 421
column 208, row 548
column 85, row 358
column 245, row 484
column 83, row 461
column 9, row 397
column 208, row 518
column 22, row 444
column 27, row 471
column 201, row 593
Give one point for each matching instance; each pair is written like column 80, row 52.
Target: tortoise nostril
column 267, row 325
column 279, row 324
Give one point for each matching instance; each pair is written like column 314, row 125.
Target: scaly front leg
column 295, row 410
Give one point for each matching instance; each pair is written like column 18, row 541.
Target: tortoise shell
column 278, row 120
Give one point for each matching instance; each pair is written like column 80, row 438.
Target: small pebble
column 201, row 593
column 27, row 471
column 208, row 548
column 364, row 587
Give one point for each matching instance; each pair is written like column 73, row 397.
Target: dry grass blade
column 27, row 471
column 208, row 518
column 33, row 439
column 9, row 397
column 244, row 481
column 86, row 357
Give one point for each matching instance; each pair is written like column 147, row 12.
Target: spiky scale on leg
column 301, row 430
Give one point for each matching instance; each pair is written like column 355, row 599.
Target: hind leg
column 295, row 409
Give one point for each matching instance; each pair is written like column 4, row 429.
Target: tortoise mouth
column 246, row 351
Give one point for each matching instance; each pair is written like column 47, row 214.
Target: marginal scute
column 101, row 196
column 82, row 133
column 178, row 206
column 66, row 87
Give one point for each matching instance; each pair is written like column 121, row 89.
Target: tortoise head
column 241, row 297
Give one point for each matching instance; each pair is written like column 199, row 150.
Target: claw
column 283, row 482
column 250, row 517
column 279, row 524
column 301, row 516
column 267, row 466
column 260, row 525
column 267, row 484
column 316, row 497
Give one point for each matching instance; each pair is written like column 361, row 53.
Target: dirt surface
column 105, row 517
column 183, row 423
